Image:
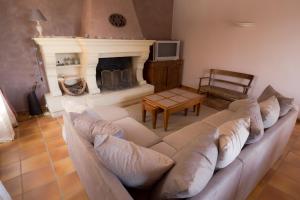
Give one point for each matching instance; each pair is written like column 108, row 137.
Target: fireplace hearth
column 115, row 73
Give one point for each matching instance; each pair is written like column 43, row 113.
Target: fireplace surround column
column 90, row 61
column 138, row 66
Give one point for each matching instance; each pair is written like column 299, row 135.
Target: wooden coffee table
column 170, row 101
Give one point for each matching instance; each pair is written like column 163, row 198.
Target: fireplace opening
column 115, row 73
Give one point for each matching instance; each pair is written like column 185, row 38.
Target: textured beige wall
column 17, row 55
column 155, row 18
column 269, row 50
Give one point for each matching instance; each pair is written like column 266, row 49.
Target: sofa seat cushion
column 111, row 113
column 136, row 166
column 195, row 165
column 224, row 93
column 164, row 148
column 137, row 133
column 185, row 135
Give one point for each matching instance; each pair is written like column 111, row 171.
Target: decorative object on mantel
column 73, row 86
column 7, row 120
column 37, row 16
column 117, row 20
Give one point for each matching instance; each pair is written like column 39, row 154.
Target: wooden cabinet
column 164, row 75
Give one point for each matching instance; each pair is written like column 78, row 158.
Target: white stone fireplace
column 89, row 51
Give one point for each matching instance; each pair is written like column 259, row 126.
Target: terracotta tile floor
column 36, row 166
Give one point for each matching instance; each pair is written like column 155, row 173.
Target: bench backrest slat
column 248, row 77
column 231, row 73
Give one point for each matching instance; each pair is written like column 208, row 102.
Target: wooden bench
column 220, row 97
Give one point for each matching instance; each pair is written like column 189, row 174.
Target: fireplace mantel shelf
column 90, row 50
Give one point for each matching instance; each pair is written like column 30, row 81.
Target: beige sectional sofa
column 235, row 181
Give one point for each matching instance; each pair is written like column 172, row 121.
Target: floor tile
column 51, row 133
column 55, row 142
column 45, row 120
column 29, row 151
column 271, row 193
column 30, row 141
column 9, row 158
column 9, row 147
column 17, row 197
column 13, row 186
column 290, row 171
column 49, row 191
column 29, row 131
column 71, row 186
column 49, row 126
column 293, row 159
column 35, row 162
column 10, row 171
column 64, row 167
column 59, row 153
column 28, row 124
column 285, row 184
column 37, row 178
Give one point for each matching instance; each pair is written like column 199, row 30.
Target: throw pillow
column 134, row 165
column 270, row 111
column 195, row 165
column 245, row 108
column 232, row 137
column 286, row 104
column 89, row 124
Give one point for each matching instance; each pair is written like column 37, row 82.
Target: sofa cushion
column 137, row 133
column 89, row 124
column 245, row 108
column 233, row 135
column 111, row 113
column 286, row 104
column 219, row 118
column 224, row 93
column 195, row 165
column 135, row 166
column 185, row 135
column 270, row 111
column 164, row 148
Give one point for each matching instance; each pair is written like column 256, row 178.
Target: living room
column 137, row 99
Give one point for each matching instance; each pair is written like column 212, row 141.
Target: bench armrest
column 200, row 82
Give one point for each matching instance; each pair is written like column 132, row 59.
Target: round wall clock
column 117, row 20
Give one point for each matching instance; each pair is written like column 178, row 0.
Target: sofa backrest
column 98, row 181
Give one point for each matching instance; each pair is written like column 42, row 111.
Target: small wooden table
column 170, row 101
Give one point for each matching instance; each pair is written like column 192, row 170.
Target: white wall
column 270, row 50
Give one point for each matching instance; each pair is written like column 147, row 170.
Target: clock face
column 117, row 20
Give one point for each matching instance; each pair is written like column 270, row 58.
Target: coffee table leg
column 166, row 119
column 154, row 118
column 198, row 109
column 143, row 113
column 194, row 108
column 186, row 111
